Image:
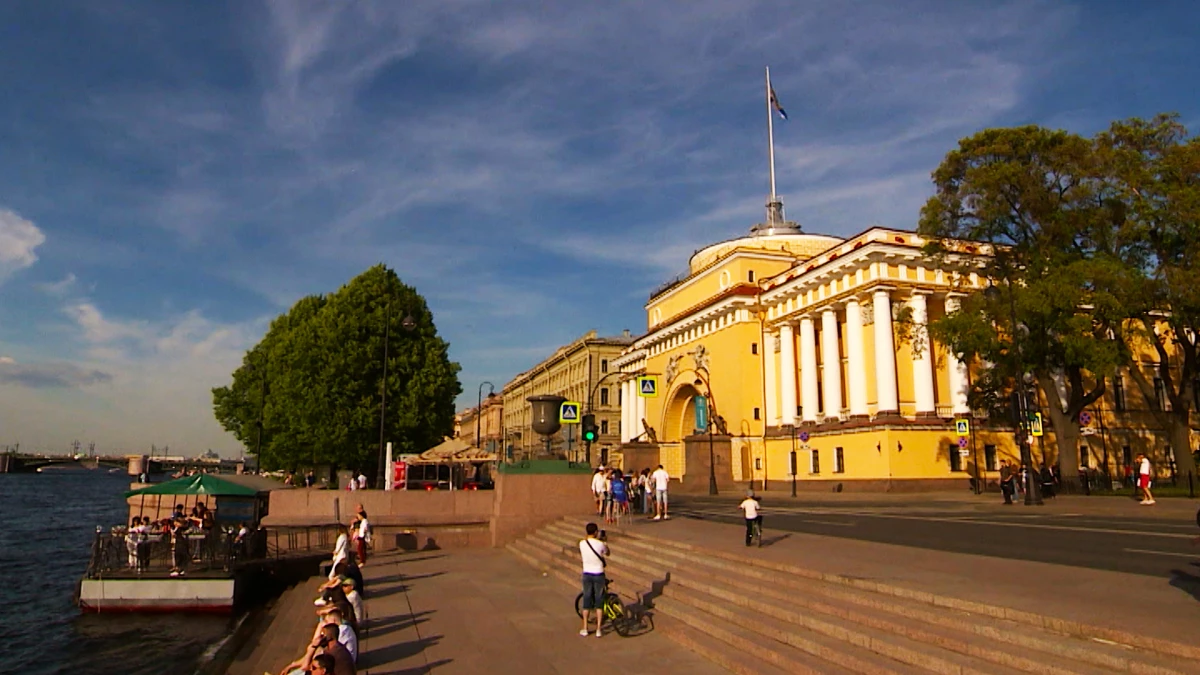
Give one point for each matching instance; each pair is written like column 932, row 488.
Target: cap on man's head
column 347, row 581
column 749, row 493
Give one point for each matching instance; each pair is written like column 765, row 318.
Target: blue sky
column 173, row 175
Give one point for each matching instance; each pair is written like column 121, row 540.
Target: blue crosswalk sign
column 647, row 386
column 568, row 413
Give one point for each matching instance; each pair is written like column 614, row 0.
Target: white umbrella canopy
column 455, row 450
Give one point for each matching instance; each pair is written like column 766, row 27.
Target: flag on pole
column 775, row 104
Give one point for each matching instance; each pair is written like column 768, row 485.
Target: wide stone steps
column 798, row 620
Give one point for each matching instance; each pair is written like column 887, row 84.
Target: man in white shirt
column 592, row 551
column 1144, row 479
column 362, row 482
column 661, row 480
column 749, row 507
column 598, row 488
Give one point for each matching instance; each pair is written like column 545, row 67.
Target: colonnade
column 633, row 410
column 815, row 406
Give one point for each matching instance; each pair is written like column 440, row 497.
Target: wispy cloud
column 49, row 375
column 19, row 240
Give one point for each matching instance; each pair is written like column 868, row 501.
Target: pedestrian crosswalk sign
column 647, row 386
column 569, row 413
column 1035, row 424
column 962, row 427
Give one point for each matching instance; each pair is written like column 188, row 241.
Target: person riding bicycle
column 620, row 495
column 592, row 551
column 749, row 507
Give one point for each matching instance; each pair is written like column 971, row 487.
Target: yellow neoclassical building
column 792, row 341
column 790, row 338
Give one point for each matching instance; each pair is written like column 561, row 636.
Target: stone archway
column 679, row 415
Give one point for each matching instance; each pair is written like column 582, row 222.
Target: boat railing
column 218, row 549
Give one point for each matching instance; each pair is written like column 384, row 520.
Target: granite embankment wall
column 419, row 519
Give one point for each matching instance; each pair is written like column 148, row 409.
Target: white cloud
column 19, row 240
column 59, row 288
column 49, row 375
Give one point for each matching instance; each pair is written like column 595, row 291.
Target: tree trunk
column 1181, row 446
column 1066, row 437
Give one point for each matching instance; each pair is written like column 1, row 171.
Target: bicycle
column 624, row 620
column 756, row 531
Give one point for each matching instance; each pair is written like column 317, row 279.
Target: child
column 749, row 507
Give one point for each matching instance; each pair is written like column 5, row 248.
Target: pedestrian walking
column 1144, row 479
column 662, row 481
column 598, row 488
column 1006, row 481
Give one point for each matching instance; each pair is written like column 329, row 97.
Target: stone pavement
column 1167, row 609
column 467, row 611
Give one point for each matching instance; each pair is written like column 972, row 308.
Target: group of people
column 617, row 493
column 1014, row 478
column 177, row 530
column 341, row 611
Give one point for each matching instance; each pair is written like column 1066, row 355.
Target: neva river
column 47, row 523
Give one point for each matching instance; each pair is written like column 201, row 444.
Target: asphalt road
column 1153, row 546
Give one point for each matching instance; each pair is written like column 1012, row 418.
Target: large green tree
column 1152, row 172
column 1032, row 195
column 312, row 387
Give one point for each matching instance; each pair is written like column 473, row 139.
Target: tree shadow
column 1187, row 582
column 770, row 541
column 400, row 623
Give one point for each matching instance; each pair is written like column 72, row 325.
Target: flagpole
column 770, row 137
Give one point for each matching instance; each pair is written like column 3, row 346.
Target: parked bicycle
column 625, row 619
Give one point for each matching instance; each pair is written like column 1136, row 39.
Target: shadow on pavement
column 394, row 623
column 377, row 658
column 1187, row 582
column 768, row 541
column 419, row 670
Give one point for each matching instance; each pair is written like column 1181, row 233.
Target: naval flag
column 775, row 104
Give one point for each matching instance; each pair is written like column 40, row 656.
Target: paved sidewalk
column 483, row 610
column 1164, row 608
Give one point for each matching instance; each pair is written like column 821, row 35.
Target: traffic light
column 589, row 428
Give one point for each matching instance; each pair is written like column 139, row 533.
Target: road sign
column 803, row 436
column 1087, row 431
column 647, row 386
column 1085, row 418
column 962, row 427
column 568, row 412
column 1035, row 424
column 963, row 452
column 962, row 442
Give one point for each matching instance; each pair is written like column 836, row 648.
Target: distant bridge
column 24, row 463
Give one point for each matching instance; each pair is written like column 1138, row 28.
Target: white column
column 885, row 354
column 787, row 371
column 639, row 414
column 770, row 378
column 856, row 367
column 626, row 409
column 831, row 365
column 957, row 370
column 921, row 358
column 808, row 369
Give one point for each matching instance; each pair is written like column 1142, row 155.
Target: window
column 1119, row 393
column 989, row 458
column 754, row 348
column 839, row 460
column 814, row 461
column 799, row 411
column 1160, row 393
column 750, row 276
column 604, row 365
column 619, row 396
column 955, row 458
column 604, row 396
column 604, row 427
column 756, row 413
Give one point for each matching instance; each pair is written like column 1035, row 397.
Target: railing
column 115, row 553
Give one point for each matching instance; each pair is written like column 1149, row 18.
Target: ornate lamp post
column 407, row 324
column 479, row 407
column 709, row 423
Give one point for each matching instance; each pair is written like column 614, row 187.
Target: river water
column 47, row 523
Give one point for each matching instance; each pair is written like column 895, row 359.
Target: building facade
column 482, row 426
column 581, row 371
column 791, row 344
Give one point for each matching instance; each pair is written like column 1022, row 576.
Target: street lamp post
column 407, row 324
column 710, row 422
column 479, row 407
column 794, row 463
column 1020, row 403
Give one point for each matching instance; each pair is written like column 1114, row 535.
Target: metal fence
column 117, row 553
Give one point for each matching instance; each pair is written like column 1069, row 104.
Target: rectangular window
column 756, row 414
column 604, row 365
column 989, row 458
column 754, row 348
column 1119, row 393
column 814, row 461
column 750, row 276
column 800, row 411
column 604, row 427
column 604, row 396
column 839, row 460
column 955, row 458
column 1160, row 393
column 619, row 395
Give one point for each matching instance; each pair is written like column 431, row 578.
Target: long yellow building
column 790, row 338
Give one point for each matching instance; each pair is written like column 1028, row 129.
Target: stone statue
column 672, row 369
column 722, row 429
column 700, row 356
column 651, row 437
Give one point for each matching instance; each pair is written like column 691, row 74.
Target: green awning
column 199, row 484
